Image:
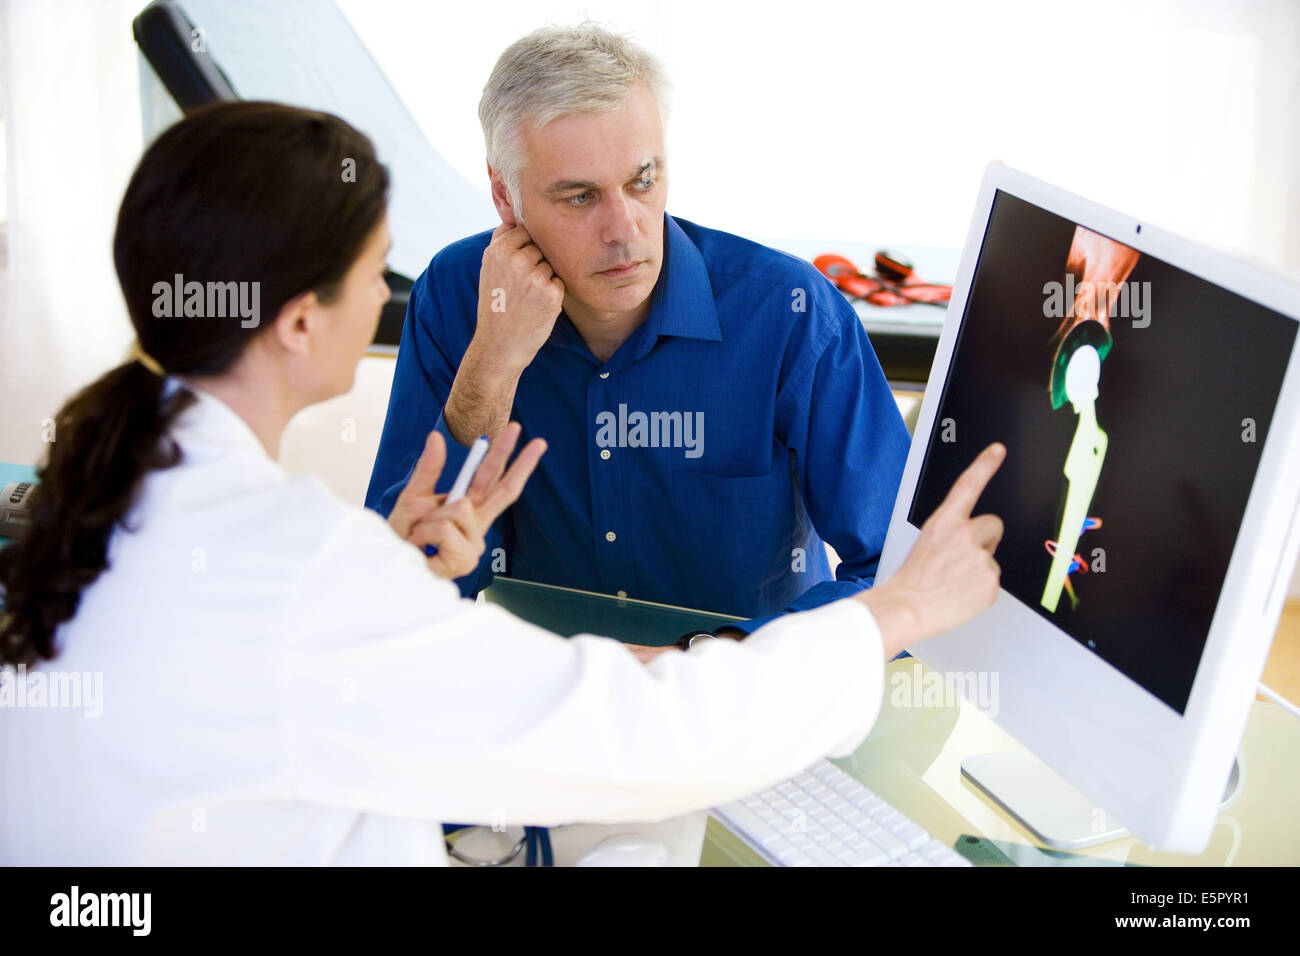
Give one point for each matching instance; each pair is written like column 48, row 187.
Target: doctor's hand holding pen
column 458, row 529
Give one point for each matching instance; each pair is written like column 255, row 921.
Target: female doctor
column 286, row 678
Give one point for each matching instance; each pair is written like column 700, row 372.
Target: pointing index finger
column 967, row 489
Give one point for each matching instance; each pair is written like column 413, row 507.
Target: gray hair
column 555, row 71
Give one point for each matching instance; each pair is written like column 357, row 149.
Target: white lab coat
column 284, row 681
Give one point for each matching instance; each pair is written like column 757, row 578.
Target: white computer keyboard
column 823, row 817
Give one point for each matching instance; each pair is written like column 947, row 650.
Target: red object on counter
column 886, row 288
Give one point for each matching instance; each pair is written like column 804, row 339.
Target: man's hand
column 457, row 530
column 519, row 299
column 950, row 575
column 645, row 653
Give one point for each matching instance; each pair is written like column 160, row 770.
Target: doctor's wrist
column 899, row 622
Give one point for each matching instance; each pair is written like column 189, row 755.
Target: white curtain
column 72, row 120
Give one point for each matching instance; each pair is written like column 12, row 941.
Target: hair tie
column 149, row 362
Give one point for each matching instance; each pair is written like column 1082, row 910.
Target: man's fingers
column 510, row 234
column 533, row 254
column 987, row 530
column 968, row 488
column 508, row 490
column 645, row 653
column 511, row 237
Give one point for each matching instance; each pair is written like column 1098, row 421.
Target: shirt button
column 622, row 594
column 610, row 536
column 604, row 453
column 604, row 375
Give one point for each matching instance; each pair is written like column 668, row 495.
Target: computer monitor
column 1148, row 395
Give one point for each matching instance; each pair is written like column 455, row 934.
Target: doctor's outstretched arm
column 413, row 702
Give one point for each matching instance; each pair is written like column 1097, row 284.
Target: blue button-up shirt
column 743, row 422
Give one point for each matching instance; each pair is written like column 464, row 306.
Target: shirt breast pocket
column 737, row 528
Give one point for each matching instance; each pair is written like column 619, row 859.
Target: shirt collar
column 211, row 422
column 681, row 303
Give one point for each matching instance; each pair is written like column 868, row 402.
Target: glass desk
column 912, row 759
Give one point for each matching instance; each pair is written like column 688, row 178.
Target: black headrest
column 168, row 41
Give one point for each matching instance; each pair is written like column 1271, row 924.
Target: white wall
column 846, row 120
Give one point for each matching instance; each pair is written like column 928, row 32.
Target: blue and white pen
column 477, row 452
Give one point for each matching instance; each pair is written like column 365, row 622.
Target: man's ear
column 501, row 198
column 295, row 323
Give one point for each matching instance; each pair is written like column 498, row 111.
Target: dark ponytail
column 105, row 437
column 235, row 192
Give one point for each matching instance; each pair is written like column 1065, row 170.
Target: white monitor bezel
column 1158, row 773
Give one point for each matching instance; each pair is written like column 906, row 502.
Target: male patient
column 713, row 408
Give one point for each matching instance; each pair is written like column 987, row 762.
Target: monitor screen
column 1134, row 399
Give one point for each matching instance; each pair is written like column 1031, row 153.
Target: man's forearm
column 481, row 398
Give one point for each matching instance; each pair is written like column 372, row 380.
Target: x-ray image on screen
column 1134, row 400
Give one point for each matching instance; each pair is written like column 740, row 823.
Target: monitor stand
column 1046, row 805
